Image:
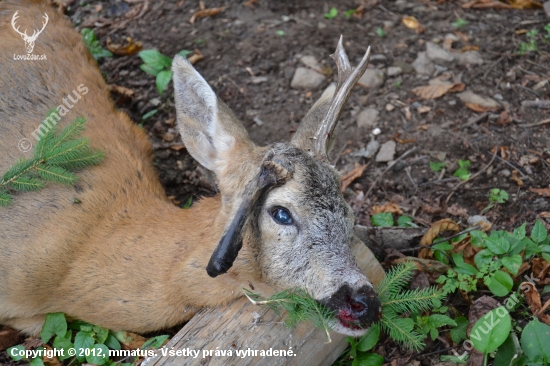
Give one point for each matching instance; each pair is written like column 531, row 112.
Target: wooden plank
column 233, row 328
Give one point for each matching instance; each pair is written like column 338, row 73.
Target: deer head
column 282, row 202
column 29, row 40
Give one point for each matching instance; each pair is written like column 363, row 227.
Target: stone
column 423, row 65
column 372, row 78
column 469, row 58
column 547, row 8
column 311, row 62
column 452, row 37
column 439, row 55
column 405, row 67
column 305, row 78
column 390, row 107
column 367, row 152
column 378, row 59
column 505, row 173
column 321, row 25
column 473, row 98
column 367, row 117
column 394, row 71
column 387, row 152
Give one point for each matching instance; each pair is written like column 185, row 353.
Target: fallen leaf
column 504, row 118
column 437, row 88
column 127, row 92
column 124, row 50
column 407, row 112
column 521, row 31
column 456, row 210
column 469, row 48
column 516, row 178
column 433, row 232
column 195, row 57
column 545, row 192
column 177, row 147
column 412, row 23
column 206, row 13
column 389, row 207
column 525, row 4
column 463, row 37
column 486, row 4
column 448, row 44
column 250, row 3
column 545, row 215
column 423, row 109
column 348, row 178
column 359, row 11
column 53, row 361
column 532, row 297
column 478, row 108
column 131, row 340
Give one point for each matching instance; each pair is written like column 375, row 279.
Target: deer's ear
column 274, row 172
column 208, row 128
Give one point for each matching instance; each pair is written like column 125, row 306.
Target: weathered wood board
column 233, row 327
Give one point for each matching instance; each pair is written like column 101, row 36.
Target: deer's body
column 124, row 257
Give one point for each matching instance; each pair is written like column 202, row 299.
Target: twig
column 408, row 170
column 512, row 166
column 442, row 240
column 473, row 176
column 475, row 120
column 388, row 168
column 542, row 104
column 543, row 122
column 492, row 66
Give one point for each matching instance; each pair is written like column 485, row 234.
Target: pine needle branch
column 56, row 157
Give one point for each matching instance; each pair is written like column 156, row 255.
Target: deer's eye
column 281, row 216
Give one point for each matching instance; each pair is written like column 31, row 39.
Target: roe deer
column 125, row 258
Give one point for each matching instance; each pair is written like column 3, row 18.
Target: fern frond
column 401, row 330
column 5, row 198
column 396, row 279
column 25, row 184
column 55, row 174
column 414, row 301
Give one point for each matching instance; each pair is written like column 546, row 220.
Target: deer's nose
column 365, row 305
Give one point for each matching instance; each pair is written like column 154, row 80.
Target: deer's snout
column 355, row 308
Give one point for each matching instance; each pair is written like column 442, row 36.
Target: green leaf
column 101, row 333
column 349, row 13
column 36, row 362
column 478, row 238
column 150, row 70
column 56, row 174
column 458, row 333
column 155, row 342
column 491, row 330
column 531, row 248
column 112, row 342
column 405, row 221
column 83, row 340
column 332, row 13
column 461, row 266
column 155, row 59
column 185, row 53
column 383, row 219
column 55, row 324
column 280, row 32
column 63, row 343
column 99, row 354
column 163, row 78
column 369, row 340
column 539, row 234
column 368, row 359
column 508, row 353
column 444, row 246
column 380, row 32
column 440, row 320
column 459, row 23
column 483, row 258
column 512, row 263
column 519, row 232
column 16, row 349
column 436, row 166
column 149, row 114
column 501, row 283
column 534, row 342
column 497, row 245
column 461, row 360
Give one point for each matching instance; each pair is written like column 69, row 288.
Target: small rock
column 305, row 78
column 289, row 72
column 498, row 96
column 423, row 65
column 168, row 137
column 505, row 173
column 439, row 55
column 469, row 58
column 452, row 37
column 311, row 62
column 405, row 67
column 390, row 107
column 471, row 97
column 155, row 102
column 547, row 8
column 388, row 24
column 394, row 71
column 372, row 78
column 479, row 220
column 367, row 152
column 387, row 151
column 321, row 25
column 367, row 117
column 378, row 59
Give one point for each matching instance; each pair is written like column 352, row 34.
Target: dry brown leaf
column 463, row 37
column 478, row 108
column 177, row 147
column 532, row 297
column 504, row 118
column 127, row 92
column 437, row 228
column 545, row 192
column 124, row 49
column 516, row 178
column 195, row 57
column 423, row 109
column 250, row 3
column 545, row 215
column 437, row 90
column 53, row 361
column 521, row 31
column 469, row 48
column 486, row 4
column 448, row 44
column 412, row 23
column 359, row 11
column 389, row 207
column 348, row 178
column 525, row 4
column 132, row 341
column 456, row 210
column 206, row 13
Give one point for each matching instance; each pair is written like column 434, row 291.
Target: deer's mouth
column 348, row 320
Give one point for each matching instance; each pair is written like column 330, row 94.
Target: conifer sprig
column 56, row 156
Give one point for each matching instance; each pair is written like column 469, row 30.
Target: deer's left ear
column 274, row 172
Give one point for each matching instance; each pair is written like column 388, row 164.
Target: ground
column 252, row 50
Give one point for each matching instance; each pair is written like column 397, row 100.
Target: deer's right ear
column 208, row 128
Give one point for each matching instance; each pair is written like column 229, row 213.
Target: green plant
column 280, row 33
column 462, row 172
column 405, row 221
column 332, row 13
column 531, row 44
column 149, row 114
column 428, row 324
column 159, row 65
column 491, row 330
column 398, row 84
column 459, row 23
column 349, row 13
column 383, row 219
column 92, row 44
column 55, row 157
column 380, row 32
column 547, row 29
column 496, row 196
column 437, row 166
